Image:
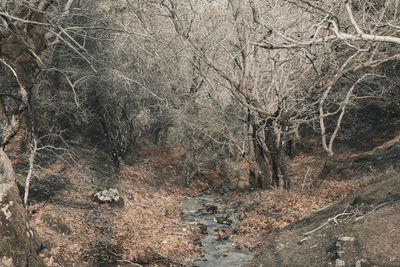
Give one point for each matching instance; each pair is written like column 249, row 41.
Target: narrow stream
column 206, row 211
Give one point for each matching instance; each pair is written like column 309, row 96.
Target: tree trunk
column 264, row 179
column 260, row 172
column 271, row 142
column 277, row 145
column 284, row 146
column 19, row 245
column 20, row 44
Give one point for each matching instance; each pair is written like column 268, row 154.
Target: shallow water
column 217, row 252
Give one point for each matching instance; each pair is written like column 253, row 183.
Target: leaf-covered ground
column 148, row 228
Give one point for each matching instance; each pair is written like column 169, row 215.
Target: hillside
column 360, row 230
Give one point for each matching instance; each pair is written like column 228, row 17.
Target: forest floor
column 148, row 229
column 362, row 229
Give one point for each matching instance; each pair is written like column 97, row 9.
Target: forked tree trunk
column 271, row 140
column 269, row 153
column 265, row 178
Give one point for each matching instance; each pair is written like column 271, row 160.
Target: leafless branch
column 33, row 150
column 333, row 219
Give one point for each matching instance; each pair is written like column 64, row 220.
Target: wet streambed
column 210, row 213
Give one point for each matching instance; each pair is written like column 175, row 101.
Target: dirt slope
column 361, row 230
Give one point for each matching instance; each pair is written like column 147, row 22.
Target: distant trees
column 286, row 63
column 238, row 75
column 219, row 36
column 99, row 83
column 361, row 35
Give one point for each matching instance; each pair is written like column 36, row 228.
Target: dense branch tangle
column 278, row 63
column 256, row 79
column 374, row 43
column 283, row 63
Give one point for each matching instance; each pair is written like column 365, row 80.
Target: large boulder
column 107, row 196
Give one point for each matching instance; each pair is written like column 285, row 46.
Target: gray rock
column 107, row 196
column 340, row 263
column 359, row 263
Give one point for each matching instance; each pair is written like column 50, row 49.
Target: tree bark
column 20, row 44
column 271, row 142
column 276, row 140
column 264, row 179
column 19, row 245
column 260, row 167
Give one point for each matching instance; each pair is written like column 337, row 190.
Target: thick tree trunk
column 19, row 245
column 271, row 142
column 270, row 159
column 265, row 178
column 260, row 172
column 20, row 45
column 277, row 146
column 283, row 152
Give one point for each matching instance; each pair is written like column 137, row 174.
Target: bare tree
column 221, row 36
column 286, row 63
column 356, row 49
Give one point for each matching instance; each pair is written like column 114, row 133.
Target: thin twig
column 334, row 219
column 374, row 209
column 133, row 263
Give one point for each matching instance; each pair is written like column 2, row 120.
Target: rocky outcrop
column 20, row 245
